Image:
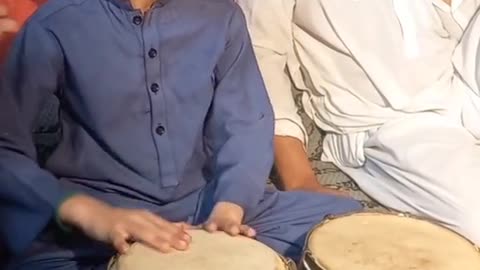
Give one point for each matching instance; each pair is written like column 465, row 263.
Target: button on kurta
column 160, row 130
column 152, row 53
column 137, row 20
column 154, row 87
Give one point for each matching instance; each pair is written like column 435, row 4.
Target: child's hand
column 7, row 25
column 227, row 217
column 119, row 227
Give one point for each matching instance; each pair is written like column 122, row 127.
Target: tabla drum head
column 373, row 241
column 208, row 251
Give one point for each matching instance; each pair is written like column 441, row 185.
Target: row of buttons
column 154, row 87
column 152, row 53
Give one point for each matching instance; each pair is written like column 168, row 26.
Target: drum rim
column 329, row 218
column 286, row 262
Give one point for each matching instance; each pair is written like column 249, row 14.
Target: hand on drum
column 228, row 217
column 120, row 227
column 7, row 25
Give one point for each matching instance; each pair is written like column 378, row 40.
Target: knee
column 351, row 204
column 344, row 205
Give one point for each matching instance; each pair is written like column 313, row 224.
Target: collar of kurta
column 126, row 4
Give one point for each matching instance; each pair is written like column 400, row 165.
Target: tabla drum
column 374, row 241
column 208, row 251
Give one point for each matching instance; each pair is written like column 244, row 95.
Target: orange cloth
column 20, row 11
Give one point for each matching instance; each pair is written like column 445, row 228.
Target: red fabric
column 20, row 11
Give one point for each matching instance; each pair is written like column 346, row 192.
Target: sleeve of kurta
column 270, row 26
column 467, row 54
column 239, row 129
column 29, row 195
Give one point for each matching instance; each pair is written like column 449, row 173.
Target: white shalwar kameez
column 397, row 95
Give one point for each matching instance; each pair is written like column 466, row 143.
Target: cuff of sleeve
column 65, row 228
column 287, row 127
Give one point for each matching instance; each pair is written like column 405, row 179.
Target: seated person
column 165, row 124
column 378, row 77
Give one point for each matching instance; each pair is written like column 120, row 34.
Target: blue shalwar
column 165, row 111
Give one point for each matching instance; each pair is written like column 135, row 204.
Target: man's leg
column 427, row 165
column 283, row 219
column 59, row 261
column 63, row 252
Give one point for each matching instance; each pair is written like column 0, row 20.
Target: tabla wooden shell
column 374, row 241
column 207, row 251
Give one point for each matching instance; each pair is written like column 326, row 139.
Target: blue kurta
column 152, row 107
column 165, row 111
